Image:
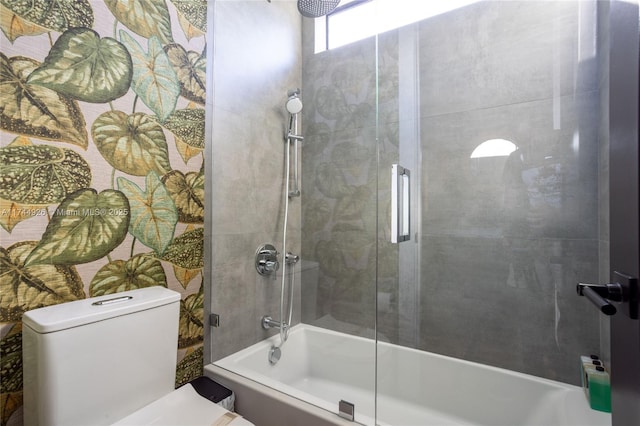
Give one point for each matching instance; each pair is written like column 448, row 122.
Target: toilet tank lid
column 86, row 311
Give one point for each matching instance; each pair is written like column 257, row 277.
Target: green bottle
column 599, row 387
column 588, row 361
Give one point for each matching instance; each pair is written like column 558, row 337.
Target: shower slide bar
column 266, row 259
column 295, row 191
column 284, row 324
column 294, row 106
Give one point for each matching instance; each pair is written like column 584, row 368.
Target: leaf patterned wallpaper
column 101, row 162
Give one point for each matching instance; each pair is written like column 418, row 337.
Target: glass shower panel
column 339, row 235
column 263, row 51
column 498, row 104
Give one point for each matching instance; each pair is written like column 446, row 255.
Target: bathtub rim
column 310, row 401
column 274, row 403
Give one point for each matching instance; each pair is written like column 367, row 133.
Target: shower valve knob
column 267, row 259
column 269, row 266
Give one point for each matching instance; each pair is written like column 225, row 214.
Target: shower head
column 294, row 104
column 316, row 8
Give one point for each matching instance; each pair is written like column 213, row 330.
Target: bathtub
column 321, row 367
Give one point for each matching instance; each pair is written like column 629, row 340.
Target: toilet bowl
column 101, row 360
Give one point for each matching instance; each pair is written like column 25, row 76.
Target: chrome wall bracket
column 346, row 410
column 214, row 320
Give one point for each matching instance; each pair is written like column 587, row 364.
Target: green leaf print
column 85, row 227
column 154, row 79
column 13, row 26
column 191, row 327
column 41, row 174
column 331, row 103
column 316, row 214
column 58, row 15
column 10, row 373
column 83, row 66
column 187, row 192
column 9, row 404
column 184, row 276
column 331, row 259
column 191, row 68
column 355, row 206
column 11, row 360
column 186, row 251
column 134, row 144
column 23, row 288
column 188, row 29
column 331, row 181
column 37, row 111
column 138, row 272
column 194, row 11
column 153, row 212
column 191, row 366
column 188, row 125
column 144, row 17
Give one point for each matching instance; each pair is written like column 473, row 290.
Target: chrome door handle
column 400, row 204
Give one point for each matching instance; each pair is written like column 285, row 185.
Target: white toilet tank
column 94, row 361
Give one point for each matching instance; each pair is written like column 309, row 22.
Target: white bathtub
column 321, row 367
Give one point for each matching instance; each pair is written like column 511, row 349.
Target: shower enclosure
column 499, row 113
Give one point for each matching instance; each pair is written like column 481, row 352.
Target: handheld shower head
column 316, row 8
column 294, row 104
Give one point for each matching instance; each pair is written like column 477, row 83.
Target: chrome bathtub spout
column 268, row 322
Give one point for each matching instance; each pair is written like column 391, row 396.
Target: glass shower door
column 495, row 109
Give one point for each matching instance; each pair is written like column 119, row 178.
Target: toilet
column 111, row 360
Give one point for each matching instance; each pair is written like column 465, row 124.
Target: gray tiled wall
column 603, row 167
column 339, row 185
column 504, row 239
column 256, row 61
